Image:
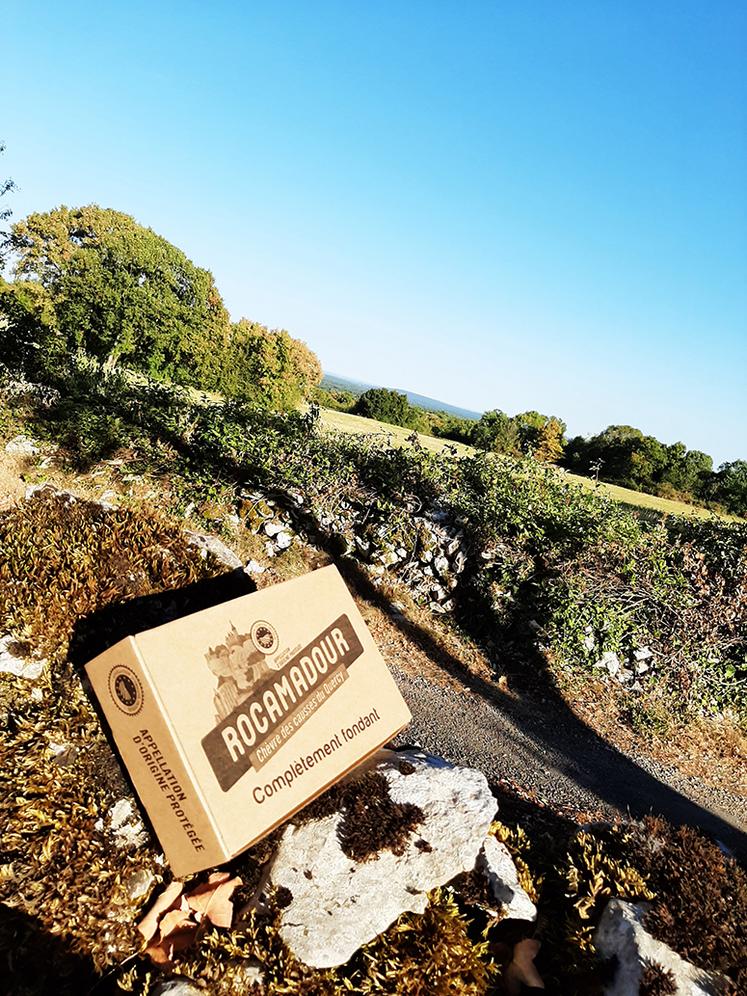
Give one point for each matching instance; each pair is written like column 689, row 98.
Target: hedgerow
column 591, row 576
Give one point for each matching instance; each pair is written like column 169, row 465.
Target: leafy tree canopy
column 387, row 406
column 266, row 366
column 119, row 291
column 527, row 433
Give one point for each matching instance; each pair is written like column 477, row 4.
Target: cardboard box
column 231, row 719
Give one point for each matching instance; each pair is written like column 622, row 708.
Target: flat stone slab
column 339, row 904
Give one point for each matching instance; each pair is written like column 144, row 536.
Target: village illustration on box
column 231, row 719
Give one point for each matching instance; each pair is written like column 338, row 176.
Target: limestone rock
column 283, row 540
column 10, row 663
column 126, row 826
column 497, row 865
column 621, row 934
column 339, row 904
column 177, row 987
column 22, row 446
column 214, row 546
column 610, row 661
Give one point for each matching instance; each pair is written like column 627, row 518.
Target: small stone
column 496, row 863
column 63, row 754
column 272, row 528
column 176, row 987
column 139, row 883
column 253, row 567
column 621, row 935
column 589, row 642
column 610, row 661
column 127, row 827
column 283, row 540
column 441, row 564
column 22, row 446
column 643, row 654
column 641, row 667
column 18, row 666
column 269, row 549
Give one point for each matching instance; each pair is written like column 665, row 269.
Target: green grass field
column 344, row 422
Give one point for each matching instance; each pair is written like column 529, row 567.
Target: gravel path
column 562, row 761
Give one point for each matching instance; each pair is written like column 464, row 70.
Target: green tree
column 497, row 432
column 541, row 436
column 121, row 292
column 267, row 367
column 729, row 487
column 386, row 406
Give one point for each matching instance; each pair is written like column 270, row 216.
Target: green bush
column 387, row 406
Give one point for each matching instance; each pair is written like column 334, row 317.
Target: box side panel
column 125, row 692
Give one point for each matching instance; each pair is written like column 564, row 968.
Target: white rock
column 497, row 865
column 643, row 654
column 441, row 564
column 620, row 934
column 339, row 904
column 253, row 567
column 22, row 446
column 589, row 642
column 176, row 987
column 212, row 545
column 139, row 883
column 272, row 528
column 127, row 827
column 283, row 540
column 10, row 664
column 460, row 562
column 610, row 661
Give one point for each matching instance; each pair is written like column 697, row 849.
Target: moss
column 59, row 869
column 657, row 981
column 65, row 558
column 428, row 955
column 371, row 821
column 701, row 906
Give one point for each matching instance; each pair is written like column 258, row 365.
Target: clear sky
column 508, row 204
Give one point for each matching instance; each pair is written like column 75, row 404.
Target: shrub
column 386, row 406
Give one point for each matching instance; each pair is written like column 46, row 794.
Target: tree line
column 621, row 454
column 93, row 280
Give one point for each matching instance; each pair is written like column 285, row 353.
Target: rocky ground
column 527, row 745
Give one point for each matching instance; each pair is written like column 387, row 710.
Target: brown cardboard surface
column 233, row 718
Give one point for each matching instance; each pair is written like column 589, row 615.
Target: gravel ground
column 562, row 761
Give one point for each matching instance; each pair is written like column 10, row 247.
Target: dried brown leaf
column 166, row 901
column 212, row 899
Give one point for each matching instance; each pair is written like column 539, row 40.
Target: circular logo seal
column 126, row 690
column 264, row 637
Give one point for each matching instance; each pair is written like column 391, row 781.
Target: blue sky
column 515, row 205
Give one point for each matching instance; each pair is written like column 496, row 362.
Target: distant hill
column 332, row 381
